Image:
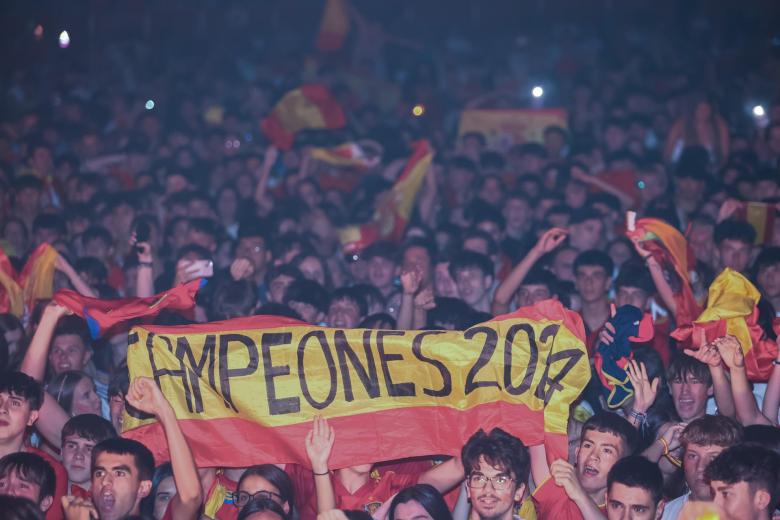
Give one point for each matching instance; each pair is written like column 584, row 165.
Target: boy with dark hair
column 383, row 268
column 606, row 438
column 473, row 274
column 309, row 299
column 592, row 279
column 690, row 384
column 734, row 241
column 635, row 490
column 79, row 436
column 28, row 475
column 347, row 308
column 744, row 479
column 232, row 299
column 702, row 440
column 586, row 230
column 496, row 466
column 278, row 279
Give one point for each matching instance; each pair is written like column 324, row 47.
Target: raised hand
column 241, row 268
column 550, row 239
column 671, row 434
column 55, row 310
column 645, row 390
column 707, row 354
column 319, row 443
column 730, row 351
column 425, row 299
column 146, row 396
column 640, row 249
column 607, row 334
column 410, row 281
column 565, row 475
column 76, row 508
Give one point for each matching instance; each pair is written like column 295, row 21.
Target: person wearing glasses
column 496, row 466
column 265, row 481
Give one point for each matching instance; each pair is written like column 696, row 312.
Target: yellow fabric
column 527, row 510
column 732, row 298
column 296, row 112
column 756, row 215
column 14, row 292
column 311, row 365
column 39, row 283
column 215, row 500
column 335, row 22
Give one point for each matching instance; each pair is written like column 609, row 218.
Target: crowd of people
column 138, row 156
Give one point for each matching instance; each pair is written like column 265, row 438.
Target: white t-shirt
column 672, row 509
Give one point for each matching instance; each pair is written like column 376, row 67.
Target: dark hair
column 32, row 468
column 763, row 434
column 638, row 472
column 539, row 276
column 471, row 260
column 253, row 228
column 356, row 514
column 73, row 325
column 258, row 505
column 143, row 458
column 63, row 387
column 350, row 293
column 429, row 247
column 308, row 291
column 634, row 274
column 20, row 508
column 94, row 268
column 492, row 247
column 737, row 230
column 48, row 221
column 375, row 321
column 97, row 233
column 89, row 426
column 282, row 270
column 500, row 450
column 120, row 382
column 278, row 309
column 232, row 299
column 161, row 472
column 608, row 422
column 275, row 476
column 451, row 311
column 20, row 384
column 584, row 214
column 712, row 430
column 464, row 163
column 594, row 257
column 768, row 257
column 750, row 463
column 682, row 366
column 427, row 496
column 382, row 249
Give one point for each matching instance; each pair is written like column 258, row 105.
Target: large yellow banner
column 506, row 127
column 269, row 376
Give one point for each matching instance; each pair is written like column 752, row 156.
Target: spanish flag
column 334, row 26
column 101, row 315
column 309, row 106
column 731, row 310
column 671, row 250
column 21, row 291
column 394, row 207
column 761, row 216
column 347, row 155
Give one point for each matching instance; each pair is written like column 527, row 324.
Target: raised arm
column 444, row 476
column 410, row 284
column 709, row 355
column 146, row 396
column 35, row 359
column 551, row 239
column 271, row 153
column 75, row 280
column 746, row 407
column 319, row 444
column 772, row 395
column 144, row 284
column 657, row 273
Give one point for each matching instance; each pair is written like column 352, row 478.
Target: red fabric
column 61, row 487
column 372, row 494
column 305, row 492
column 319, row 99
column 101, row 315
column 79, row 492
column 552, row 503
column 661, row 339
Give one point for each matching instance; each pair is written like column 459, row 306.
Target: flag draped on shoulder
column 101, row 315
column 394, row 207
column 671, row 250
column 731, row 310
column 309, row 106
column 36, row 281
column 334, row 26
column 245, row 390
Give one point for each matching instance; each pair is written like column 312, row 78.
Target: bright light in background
column 38, row 32
column 418, row 110
column 64, row 40
column 537, row 91
column 149, row 104
column 759, row 111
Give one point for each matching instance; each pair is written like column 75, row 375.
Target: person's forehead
column 703, row 449
column 627, row 289
column 734, row 244
column 9, row 393
column 590, row 270
column 78, row 439
column 487, row 469
column 109, row 460
column 632, row 495
column 600, row 437
column 67, row 340
column 534, row 287
column 342, row 303
column 14, row 473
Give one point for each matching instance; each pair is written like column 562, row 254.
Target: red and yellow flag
column 731, row 310
column 334, row 26
column 347, row 155
column 761, row 216
column 245, row 390
column 36, row 281
column 394, row 207
column 671, row 250
column 309, row 106
column 101, row 315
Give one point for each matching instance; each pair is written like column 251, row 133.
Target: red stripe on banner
column 360, row 439
column 330, row 110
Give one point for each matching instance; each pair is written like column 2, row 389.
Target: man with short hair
column 496, row 466
column 309, row 299
column 587, row 230
column 635, row 490
column 28, row 475
column 473, row 274
column 592, row 279
column 347, row 308
column 744, row 480
column 702, row 440
column 383, row 268
column 734, row 241
column 79, row 436
column 579, row 491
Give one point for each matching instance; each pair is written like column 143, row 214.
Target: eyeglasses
column 479, row 481
column 243, row 498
